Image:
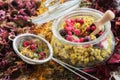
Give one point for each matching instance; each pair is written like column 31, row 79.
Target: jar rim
column 107, row 27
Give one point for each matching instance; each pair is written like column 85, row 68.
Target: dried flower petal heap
column 18, row 11
column 44, row 30
column 13, row 14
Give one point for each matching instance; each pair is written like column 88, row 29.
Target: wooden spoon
column 109, row 15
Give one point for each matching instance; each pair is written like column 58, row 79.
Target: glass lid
column 56, row 8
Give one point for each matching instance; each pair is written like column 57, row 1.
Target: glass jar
column 83, row 54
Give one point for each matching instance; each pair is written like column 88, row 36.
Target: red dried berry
column 25, row 43
column 68, row 28
column 77, row 32
column 69, row 38
column 77, row 40
column 87, row 38
column 73, row 20
column 62, row 32
column 76, row 20
column 33, row 47
column 42, row 54
column 72, row 27
column 100, row 33
column 88, row 29
column 93, row 28
column 69, row 33
column 69, row 22
column 82, row 39
column 81, row 21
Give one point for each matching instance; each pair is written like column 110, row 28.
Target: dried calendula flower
column 73, row 61
column 45, row 30
column 99, row 58
column 86, row 60
column 73, row 56
column 62, row 1
column 104, row 53
column 93, row 37
column 79, row 57
column 86, row 54
column 92, row 58
column 77, row 25
column 41, row 9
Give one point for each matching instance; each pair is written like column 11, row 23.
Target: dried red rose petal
column 2, row 15
column 115, row 58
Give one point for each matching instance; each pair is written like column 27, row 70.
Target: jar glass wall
column 83, row 54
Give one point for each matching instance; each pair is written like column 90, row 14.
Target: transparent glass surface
column 83, row 54
column 56, row 10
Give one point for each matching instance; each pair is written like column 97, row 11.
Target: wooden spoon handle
column 109, row 15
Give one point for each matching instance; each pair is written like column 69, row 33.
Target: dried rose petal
column 2, row 15
column 115, row 58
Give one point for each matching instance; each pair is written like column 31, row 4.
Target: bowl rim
column 29, row 59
